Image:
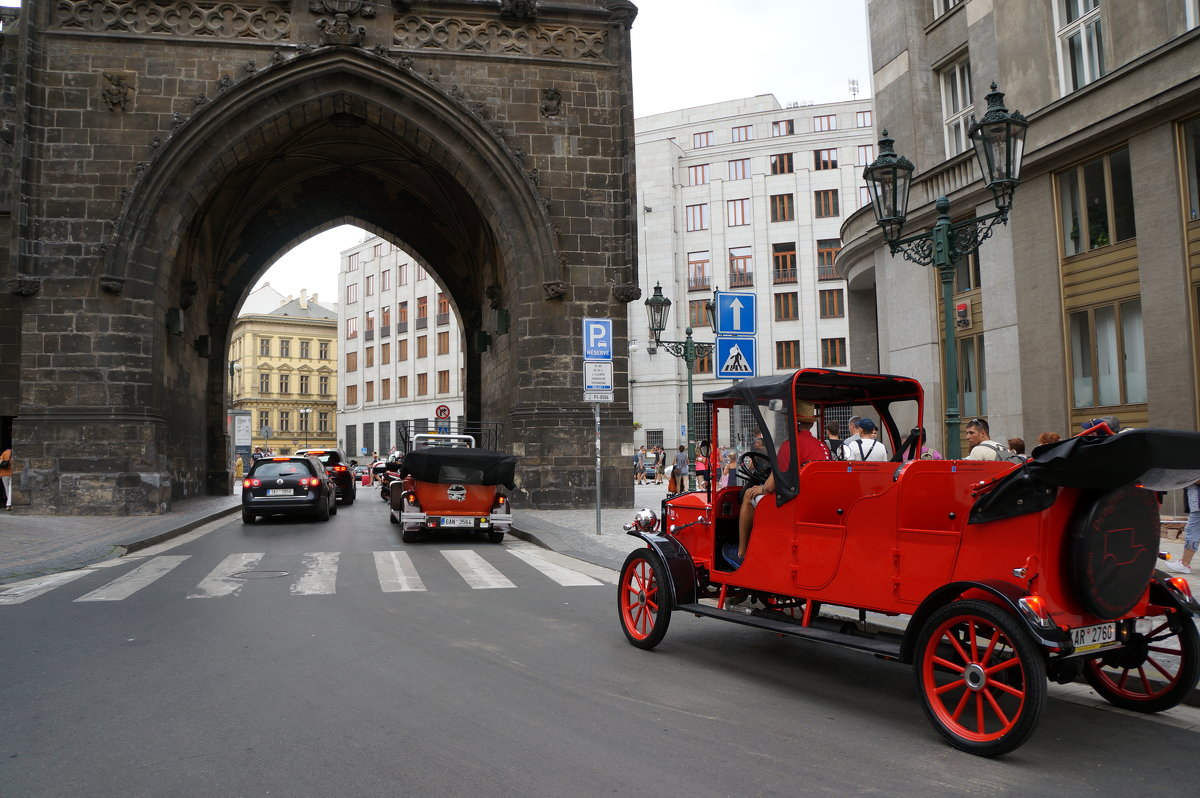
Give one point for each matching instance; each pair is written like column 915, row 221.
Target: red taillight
column 1180, row 584
column 251, row 483
column 339, row 468
column 500, row 500
column 306, row 481
column 410, row 497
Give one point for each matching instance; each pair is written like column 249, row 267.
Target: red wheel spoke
column 1170, row 676
column 979, row 722
column 954, row 685
column 1145, row 681
column 1007, row 688
column 1124, row 679
column 1003, row 666
column 1174, row 652
column 996, row 708
column 1165, row 625
column 957, row 647
column 962, row 704
column 945, row 663
column 991, row 647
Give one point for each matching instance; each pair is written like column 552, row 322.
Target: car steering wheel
column 754, row 467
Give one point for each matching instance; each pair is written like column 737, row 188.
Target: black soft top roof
column 450, row 464
column 820, row 385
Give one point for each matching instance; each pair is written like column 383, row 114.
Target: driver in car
column 807, row 447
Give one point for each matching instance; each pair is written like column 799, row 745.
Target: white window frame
column 698, row 174
column 954, row 81
column 866, row 155
column 703, row 139
column 943, row 7
column 737, row 212
column 697, row 217
column 1091, row 42
column 738, row 169
column 864, row 119
column 824, row 123
column 742, row 133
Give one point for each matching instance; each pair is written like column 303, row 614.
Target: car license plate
column 1089, row 638
column 458, row 521
column 280, row 492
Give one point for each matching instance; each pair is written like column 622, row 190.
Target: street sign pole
column 596, row 416
column 597, row 380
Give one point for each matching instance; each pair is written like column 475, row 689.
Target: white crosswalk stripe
column 478, row 572
column 221, row 580
column 32, row 588
column 126, row 585
column 320, row 575
column 396, row 572
column 563, row 576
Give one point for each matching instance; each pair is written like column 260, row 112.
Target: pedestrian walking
column 6, row 477
column 1191, row 531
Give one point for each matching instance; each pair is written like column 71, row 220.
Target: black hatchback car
column 297, row 485
column 340, row 468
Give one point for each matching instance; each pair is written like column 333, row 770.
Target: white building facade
column 745, row 196
column 401, row 345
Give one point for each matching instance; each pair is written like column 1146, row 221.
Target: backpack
column 1003, row 454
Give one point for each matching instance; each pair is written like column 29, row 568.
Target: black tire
column 410, row 535
column 333, row 508
column 322, row 512
column 981, row 678
column 495, row 537
column 1123, row 679
column 348, row 496
column 644, row 599
column 247, row 517
column 392, row 517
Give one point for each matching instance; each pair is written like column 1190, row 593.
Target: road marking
column 126, row 585
column 221, row 580
column 32, row 588
column 396, row 572
column 320, row 575
column 566, row 577
column 477, row 572
column 598, row 572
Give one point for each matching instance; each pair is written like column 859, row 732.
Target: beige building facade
column 1085, row 304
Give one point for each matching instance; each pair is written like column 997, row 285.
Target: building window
column 1080, row 43
column 957, row 105
column 781, row 164
column 698, row 174
column 787, row 354
column 305, row 388
column 369, row 357
column 704, row 139
column 737, row 212
column 784, row 127
column 421, row 273
column 285, row 383
column 264, row 347
column 827, row 250
column 864, row 196
column 739, row 169
column 422, row 346
column 743, row 133
column 863, row 118
column 370, row 392
column 323, row 350
column 783, row 263
column 323, row 422
column 264, row 423
column 351, row 395
column 654, row 437
column 351, row 361
column 352, row 327
column 351, row 293
column 422, row 384
column 966, row 273
column 697, row 217
column 443, row 309
column 402, row 317
column 352, row 261
column 369, row 322
column 941, row 7
column 1108, row 360
column 741, row 267
column 782, row 208
column 402, row 274
column 698, row 313
column 443, row 378
column 1096, row 203
column 827, row 203
column 443, row 343
column 370, row 281
column 264, row 383
column 787, row 307
column 285, row 421
column 385, row 354
column 699, row 271
column 866, row 154
column 825, row 159
column 385, row 280
column 385, row 390
column 833, row 352
column 1191, row 147
column 704, row 366
column 832, row 306
column 972, row 377
column 823, row 124
column 285, row 347
column 402, row 387
column 422, row 312
column 323, row 385
column 402, row 350
column 305, row 350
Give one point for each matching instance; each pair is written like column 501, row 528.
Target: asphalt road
column 188, row 682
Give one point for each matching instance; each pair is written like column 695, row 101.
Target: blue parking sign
column 735, row 358
column 597, row 339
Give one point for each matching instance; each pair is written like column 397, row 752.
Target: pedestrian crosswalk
column 316, row 573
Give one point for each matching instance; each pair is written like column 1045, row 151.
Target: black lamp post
column 658, row 308
column 999, row 141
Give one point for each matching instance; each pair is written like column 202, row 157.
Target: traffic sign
column 443, row 430
column 735, row 313
column 735, row 358
column 597, row 339
column 598, row 396
column 597, row 375
column 443, row 411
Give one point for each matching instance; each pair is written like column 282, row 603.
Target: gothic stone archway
column 164, row 160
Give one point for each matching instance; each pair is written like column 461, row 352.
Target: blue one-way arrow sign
column 735, row 313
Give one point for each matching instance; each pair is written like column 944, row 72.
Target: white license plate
column 280, row 492
column 1089, row 638
column 458, row 521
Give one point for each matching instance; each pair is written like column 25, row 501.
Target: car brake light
column 280, row 459
column 339, row 468
column 1031, row 607
column 410, row 497
column 251, row 483
column 1180, row 584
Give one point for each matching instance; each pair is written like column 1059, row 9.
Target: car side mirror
column 775, row 405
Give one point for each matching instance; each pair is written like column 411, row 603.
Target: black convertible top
column 449, row 464
column 820, row 386
column 1156, row 459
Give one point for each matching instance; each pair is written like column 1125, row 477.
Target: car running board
column 881, row 644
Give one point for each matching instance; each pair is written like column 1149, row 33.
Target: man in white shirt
column 864, row 446
column 982, row 447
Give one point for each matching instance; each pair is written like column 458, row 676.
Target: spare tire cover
column 1112, row 549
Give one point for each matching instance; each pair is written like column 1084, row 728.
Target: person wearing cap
column 867, row 446
column 807, row 448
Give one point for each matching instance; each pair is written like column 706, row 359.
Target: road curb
column 184, row 528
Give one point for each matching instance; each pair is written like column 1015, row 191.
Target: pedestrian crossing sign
column 735, row 358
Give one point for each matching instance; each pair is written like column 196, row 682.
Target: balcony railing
column 443, row 318
column 368, row 335
column 401, row 327
column 827, row 273
column 783, row 276
column 700, row 283
column 422, row 322
column 741, row 279
column 385, row 331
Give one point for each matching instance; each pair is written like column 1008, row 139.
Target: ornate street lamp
column 999, row 141
column 658, row 308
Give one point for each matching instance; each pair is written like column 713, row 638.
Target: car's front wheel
column 643, row 598
column 981, row 678
column 1155, row 671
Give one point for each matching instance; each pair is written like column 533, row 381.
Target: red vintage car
column 1007, row 574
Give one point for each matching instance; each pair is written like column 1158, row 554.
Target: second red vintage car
column 1008, row 574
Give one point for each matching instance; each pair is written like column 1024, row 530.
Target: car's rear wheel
column 643, row 598
column 323, row 510
column 333, row 504
column 247, row 517
column 1155, row 671
column 348, row 496
column 982, row 680
column 495, row 537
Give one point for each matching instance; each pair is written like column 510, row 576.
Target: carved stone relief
column 493, row 36
column 117, row 90
column 205, row 18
